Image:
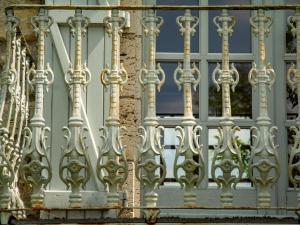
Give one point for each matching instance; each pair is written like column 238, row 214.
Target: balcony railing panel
column 73, row 176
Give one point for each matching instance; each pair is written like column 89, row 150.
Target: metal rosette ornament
column 35, row 165
column 264, row 164
column 227, row 157
column 147, row 167
column 75, row 165
column 112, row 168
column 293, row 78
column 8, row 82
column 188, row 135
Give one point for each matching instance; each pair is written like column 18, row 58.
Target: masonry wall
column 130, row 102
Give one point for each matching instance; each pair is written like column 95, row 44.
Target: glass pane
column 171, row 29
column 290, row 40
column 243, row 141
column 170, row 142
column 169, row 99
column 241, row 99
column 240, row 41
column 291, row 100
column 291, row 141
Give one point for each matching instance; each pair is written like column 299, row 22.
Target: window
column 206, row 53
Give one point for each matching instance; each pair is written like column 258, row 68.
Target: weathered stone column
column 130, row 103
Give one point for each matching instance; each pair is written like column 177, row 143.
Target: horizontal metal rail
column 159, row 207
column 231, row 220
column 157, row 7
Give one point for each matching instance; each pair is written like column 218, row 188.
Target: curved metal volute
column 75, row 166
column 227, row 156
column 264, row 164
column 293, row 80
column 35, row 165
column 189, row 151
column 112, row 166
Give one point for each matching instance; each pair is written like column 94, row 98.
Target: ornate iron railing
column 28, row 156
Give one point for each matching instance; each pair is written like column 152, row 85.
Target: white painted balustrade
column 23, row 144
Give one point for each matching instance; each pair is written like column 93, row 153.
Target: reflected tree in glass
column 241, row 99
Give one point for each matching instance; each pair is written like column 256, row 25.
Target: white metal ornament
column 35, row 166
column 112, row 168
column 189, row 147
column 150, row 164
column 8, row 80
column 227, row 156
column 264, row 163
column 75, row 165
column 293, row 78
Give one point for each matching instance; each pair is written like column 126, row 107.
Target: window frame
column 282, row 195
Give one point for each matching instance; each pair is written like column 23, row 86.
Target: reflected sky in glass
column 241, row 99
column 170, row 99
column 169, row 39
column 240, row 41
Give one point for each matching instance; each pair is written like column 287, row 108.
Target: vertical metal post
column 293, row 78
column 150, row 164
column 8, row 81
column 264, row 165
column 35, row 165
column 112, row 168
column 75, row 166
column 227, row 148
column 189, row 147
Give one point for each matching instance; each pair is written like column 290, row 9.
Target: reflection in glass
column 170, row 29
column 170, row 141
column 240, row 41
column 241, row 99
column 291, row 99
column 243, row 142
column 170, row 99
column 291, row 141
column 290, row 40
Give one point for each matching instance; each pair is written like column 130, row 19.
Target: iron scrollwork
column 264, row 156
column 293, row 78
column 227, row 156
column 188, row 135
column 112, row 168
column 75, row 166
column 150, row 159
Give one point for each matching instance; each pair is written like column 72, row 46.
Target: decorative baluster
column 16, row 95
column 151, row 149
column 75, row 166
column 189, row 147
column 17, row 202
column 8, row 81
column 35, row 165
column 13, row 106
column 112, row 168
column 293, row 78
column 226, row 149
column 264, row 166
